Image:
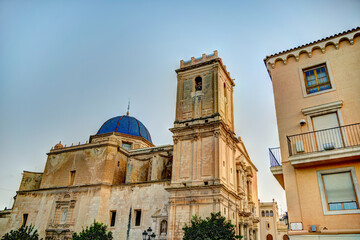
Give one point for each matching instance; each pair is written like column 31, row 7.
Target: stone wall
column 85, row 204
column 30, row 181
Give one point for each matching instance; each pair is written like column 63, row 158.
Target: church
column 119, row 177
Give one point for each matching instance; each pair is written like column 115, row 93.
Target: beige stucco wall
column 301, row 185
column 309, row 197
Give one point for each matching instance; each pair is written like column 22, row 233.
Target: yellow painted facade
column 319, row 131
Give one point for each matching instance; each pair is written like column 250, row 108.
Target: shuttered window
column 339, row 191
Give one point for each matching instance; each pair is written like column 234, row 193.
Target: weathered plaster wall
column 186, row 108
column 89, row 165
column 91, row 203
column 125, row 199
column 30, row 181
column 153, row 164
column 41, row 206
column 4, row 221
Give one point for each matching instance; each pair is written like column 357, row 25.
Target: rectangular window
column 338, row 190
column 316, row 79
column 24, row 219
column 72, row 177
column 126, row 145
column 112, row 218
column 64, row 212
column 137, row 217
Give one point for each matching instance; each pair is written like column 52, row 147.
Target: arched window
column 271, row 213
column 198, row 84
column 263, row 213
column 225, row 101
column 267, row 213
column 269, row 237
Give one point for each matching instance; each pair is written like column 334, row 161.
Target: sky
column 68, row 66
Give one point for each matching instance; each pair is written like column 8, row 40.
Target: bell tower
column 204, row 141
column 204, row 92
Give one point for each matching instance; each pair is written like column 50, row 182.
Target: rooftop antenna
column 127, row 113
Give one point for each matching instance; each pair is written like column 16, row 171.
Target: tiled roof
column 126, row 125
column 311, row 43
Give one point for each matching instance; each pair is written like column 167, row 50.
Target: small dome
column 126, row 125
column 59, row 145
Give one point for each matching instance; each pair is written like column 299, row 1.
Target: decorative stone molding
column 321, row 109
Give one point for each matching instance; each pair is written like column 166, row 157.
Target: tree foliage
column 97, row 231
column 214, row 227
column 23, row 233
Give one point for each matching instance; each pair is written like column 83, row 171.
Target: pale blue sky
column 68, row 66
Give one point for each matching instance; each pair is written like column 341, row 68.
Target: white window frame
column 323, row 109
column 303, row 82
column 327, row 108
column 323, row 194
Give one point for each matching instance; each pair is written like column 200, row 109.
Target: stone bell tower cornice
column 204, row 60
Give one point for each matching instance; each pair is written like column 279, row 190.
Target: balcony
column 328, row 144
column 275, row 157
column 275, row 165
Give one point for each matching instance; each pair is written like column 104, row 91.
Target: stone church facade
column 122, row 179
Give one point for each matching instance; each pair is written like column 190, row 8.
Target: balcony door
column 327, row 132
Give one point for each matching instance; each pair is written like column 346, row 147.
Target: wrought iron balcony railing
column 324, row 140
column 275, row 157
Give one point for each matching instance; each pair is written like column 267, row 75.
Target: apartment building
column 317, row 98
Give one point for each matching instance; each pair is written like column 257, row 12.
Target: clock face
column 297, row 226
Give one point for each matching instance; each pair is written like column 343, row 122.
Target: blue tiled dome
column 127, row 125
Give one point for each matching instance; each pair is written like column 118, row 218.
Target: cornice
column 92, row 137
column 81, row 147
column 166, row 182
column 164, row 148
column 309, row 47
column 210, row 62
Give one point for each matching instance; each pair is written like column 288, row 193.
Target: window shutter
column 325, row 121
column 339, row 187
